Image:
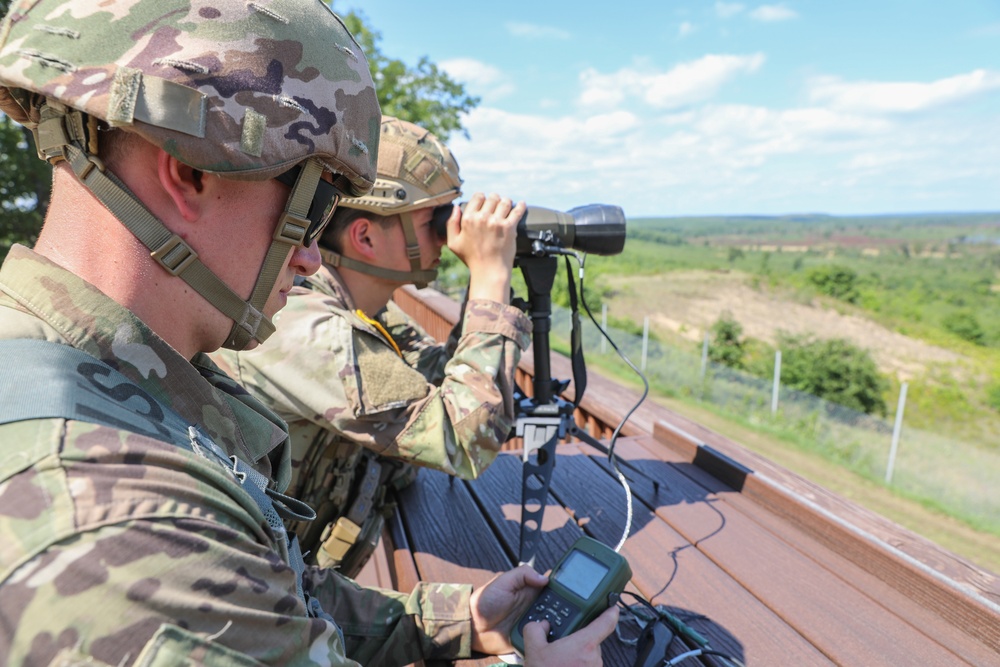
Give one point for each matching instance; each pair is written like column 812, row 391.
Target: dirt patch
column 687, row 303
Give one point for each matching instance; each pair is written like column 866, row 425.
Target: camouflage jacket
column 328, row 371
column 118, row 549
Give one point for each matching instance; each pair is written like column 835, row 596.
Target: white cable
column 628, row 517
column 676, row 660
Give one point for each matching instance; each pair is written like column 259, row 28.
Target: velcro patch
column 386, row 381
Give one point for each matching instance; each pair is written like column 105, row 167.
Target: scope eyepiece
column 439, row 219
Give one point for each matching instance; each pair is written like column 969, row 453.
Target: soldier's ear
column 361, row 238
column 183, row 185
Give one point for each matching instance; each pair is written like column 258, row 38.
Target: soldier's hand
column 497, row 605
column 484, row 237
column 580, row 649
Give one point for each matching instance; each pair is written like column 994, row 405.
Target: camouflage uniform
column 345, row 392
column 112, row 544
column 366, row 398
column 117, row 548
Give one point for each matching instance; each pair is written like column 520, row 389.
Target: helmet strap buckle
column 291, row 229
column 174, row 255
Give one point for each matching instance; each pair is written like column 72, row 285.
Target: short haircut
column 343, row 217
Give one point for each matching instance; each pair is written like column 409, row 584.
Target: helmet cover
column 415, row 170
column 242, row 89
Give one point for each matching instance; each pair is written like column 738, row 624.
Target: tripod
column 544, row 418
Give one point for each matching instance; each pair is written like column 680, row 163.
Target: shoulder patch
column 386, row 381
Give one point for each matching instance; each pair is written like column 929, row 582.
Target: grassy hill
column 920, row 292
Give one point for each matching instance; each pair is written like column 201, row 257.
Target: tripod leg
column 539, row 460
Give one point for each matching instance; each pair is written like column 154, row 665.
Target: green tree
column 837, row 281
column 25, row 182
column 727, row 347
column 834, row 369
column 966, row 326
column 422, row 94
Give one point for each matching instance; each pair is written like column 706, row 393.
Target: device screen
column 580, row 573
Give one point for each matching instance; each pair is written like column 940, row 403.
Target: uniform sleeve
column 432, row 622
column 326, row 369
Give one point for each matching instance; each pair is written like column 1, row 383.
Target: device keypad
column 555, row 610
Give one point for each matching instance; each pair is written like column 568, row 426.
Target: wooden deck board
column 499, row 488
column 669, row 569
column 798, row 589
column 785, row 571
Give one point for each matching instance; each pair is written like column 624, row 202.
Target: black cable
column 676, row 628
column 582, row 258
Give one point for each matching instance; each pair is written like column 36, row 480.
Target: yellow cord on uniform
column 378, row 325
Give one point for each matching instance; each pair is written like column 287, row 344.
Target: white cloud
column 479, row 78
column 533, row 31
column 772, row 13
column 687, row 83
column 728, row 9
column 897, row 97
column 685, row 29
column 729, row 159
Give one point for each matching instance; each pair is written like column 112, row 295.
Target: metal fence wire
column 960, row 478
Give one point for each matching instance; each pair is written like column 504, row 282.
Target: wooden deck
column 768, row 566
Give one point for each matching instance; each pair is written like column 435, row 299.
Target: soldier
column 354, row 377
column 199, row 150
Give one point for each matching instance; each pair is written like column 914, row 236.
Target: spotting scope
column 597, row 229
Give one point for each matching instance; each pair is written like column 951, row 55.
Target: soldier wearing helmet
column 199, row 149
column 365, row 391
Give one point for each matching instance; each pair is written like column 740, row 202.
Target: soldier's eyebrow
column 267, row 12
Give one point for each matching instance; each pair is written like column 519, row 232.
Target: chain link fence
column 960, row 478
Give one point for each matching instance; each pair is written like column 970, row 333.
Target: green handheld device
column 580, row 587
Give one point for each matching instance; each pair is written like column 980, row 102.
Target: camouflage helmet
column 415, row 170
column 225, row 86
column 244, row 89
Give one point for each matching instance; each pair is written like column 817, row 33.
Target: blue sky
column 697, row 107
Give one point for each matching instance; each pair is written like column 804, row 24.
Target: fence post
column 604, row 325
column 704, row 356
column 645, row 341
column 895, row 434
column 777, row 382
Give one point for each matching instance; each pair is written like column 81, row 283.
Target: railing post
column 645, row 341
column 777, row 382
column 895, row 434
column 704, row 356
column 604, row 326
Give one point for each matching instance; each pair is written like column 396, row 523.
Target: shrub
column 993, row 396
column 837, row 281
column 726, row 346
column 834, row 369
column 966, row 326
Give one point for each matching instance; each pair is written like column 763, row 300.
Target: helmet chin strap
column 64, row 134
column 419, row 277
